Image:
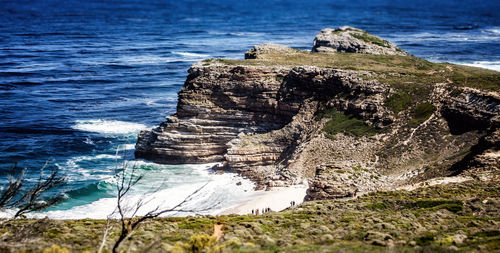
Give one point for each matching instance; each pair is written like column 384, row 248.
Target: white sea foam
column 167, row 185
column 239, row 34
column 191, row 55
column 108, row 126
column 101, row 166
column 143, row 60
column 494, row 30
column 148, row 59
column 493, row 65
column 89, row 141
column 487, row 35
column 34, row 67
column 96, row 157
column 127, row 146
column 7, row 213
column 191, row 19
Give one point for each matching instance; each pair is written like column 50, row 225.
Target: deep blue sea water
column 79, row 79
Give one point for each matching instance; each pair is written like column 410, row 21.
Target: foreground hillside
column 454, row 217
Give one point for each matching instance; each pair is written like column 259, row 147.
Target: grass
column 345, row 123
column 337, row 31
column 366, row 37
column 421, row 113
column 405, row 73
column 454, row 206
column 399, row 102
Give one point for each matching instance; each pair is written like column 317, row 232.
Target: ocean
column 80, row 79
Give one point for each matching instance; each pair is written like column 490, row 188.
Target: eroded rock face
column 342, row 180
column 352, row 40
column 216, row 104
column 255, row 117
column 472, row 110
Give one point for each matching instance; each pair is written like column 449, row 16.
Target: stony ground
column 455, row 217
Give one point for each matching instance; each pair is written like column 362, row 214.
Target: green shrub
column 377, row 205
column 366, row 37
column 206, row 243
column 347, row 124
column 422, row 112
column 425, row 239
column 454, row 206
column 399, row 102
column 201, row 243
column 55, row 249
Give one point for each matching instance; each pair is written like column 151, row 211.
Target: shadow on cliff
column 460, row 123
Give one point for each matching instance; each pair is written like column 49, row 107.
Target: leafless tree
column 29, row 199
column 129, row 221
column 105, row 235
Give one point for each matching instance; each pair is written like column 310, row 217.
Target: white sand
column 278, row 198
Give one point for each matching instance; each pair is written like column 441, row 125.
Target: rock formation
column 347, row 122
column 217, row 103
column 262, row 50
column 352, row 40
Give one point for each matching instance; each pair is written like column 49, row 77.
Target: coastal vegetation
column 339, row 122
column 422, row 112
column 366, row 37
column 399, row 102
column 460, row 216
column 399, row 71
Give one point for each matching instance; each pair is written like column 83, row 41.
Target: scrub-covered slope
column 432, row 219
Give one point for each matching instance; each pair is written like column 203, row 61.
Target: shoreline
column 277, row 199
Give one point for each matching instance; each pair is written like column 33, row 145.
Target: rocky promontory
column 355, row 115
column 352, row 40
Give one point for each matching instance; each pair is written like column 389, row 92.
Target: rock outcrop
column 352, row 40
column 217, row 103
column 287, row 115
column 262, row 50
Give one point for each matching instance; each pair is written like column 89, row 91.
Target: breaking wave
column 108, row 126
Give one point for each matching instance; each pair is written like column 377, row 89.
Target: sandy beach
column 278, row 198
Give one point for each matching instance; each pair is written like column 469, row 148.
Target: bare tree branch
column 15, row 184
column 129, row 225
column 105, row 235
column 30, row 200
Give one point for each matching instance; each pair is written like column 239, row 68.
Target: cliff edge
column 348, row 121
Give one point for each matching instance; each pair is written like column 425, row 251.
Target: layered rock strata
column 217, row 103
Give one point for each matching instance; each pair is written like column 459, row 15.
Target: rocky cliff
column 217, row 103
column 369, row 119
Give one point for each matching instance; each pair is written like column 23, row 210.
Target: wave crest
column 108, row 126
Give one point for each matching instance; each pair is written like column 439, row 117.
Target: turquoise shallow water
column 79, row 79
